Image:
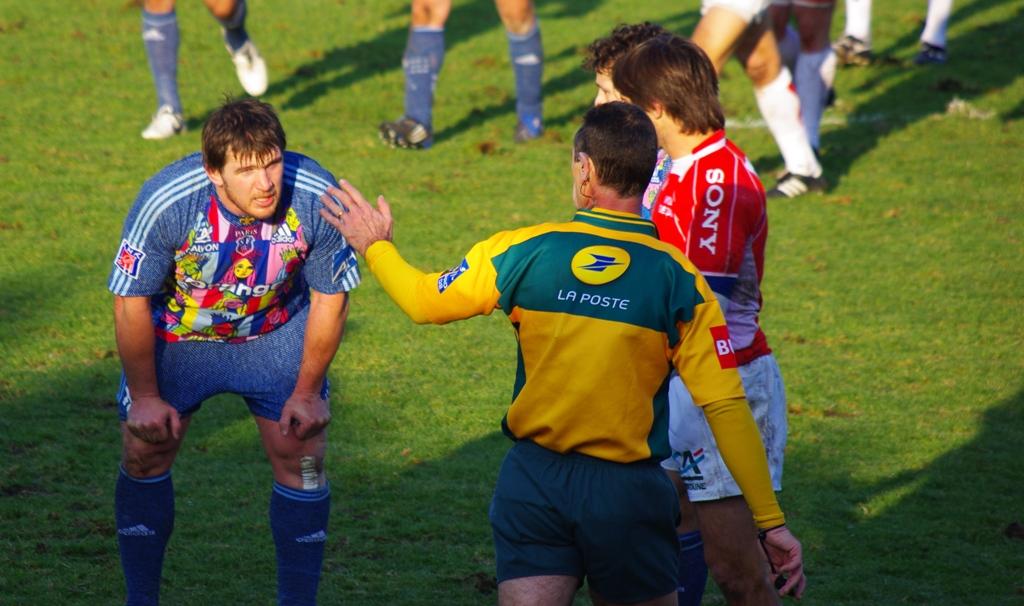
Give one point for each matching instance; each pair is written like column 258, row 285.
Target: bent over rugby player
column 228, row 281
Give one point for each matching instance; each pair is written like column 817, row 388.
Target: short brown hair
column 622, row 142
column 675, row 73
column 604, row 52
column 248, row 127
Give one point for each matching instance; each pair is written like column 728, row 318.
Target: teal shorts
column 574, row 515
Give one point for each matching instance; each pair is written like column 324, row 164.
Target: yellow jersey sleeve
column 466, row 290
column 704, row 357
column 743, row 452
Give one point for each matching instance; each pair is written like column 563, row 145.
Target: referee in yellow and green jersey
column 603, row 312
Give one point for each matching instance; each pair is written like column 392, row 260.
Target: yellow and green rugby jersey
column 602, row 311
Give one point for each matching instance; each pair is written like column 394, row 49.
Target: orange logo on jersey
column 723, row 346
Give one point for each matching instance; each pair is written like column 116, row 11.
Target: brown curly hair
column 604, row 52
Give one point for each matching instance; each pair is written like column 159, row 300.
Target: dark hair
column 604, row 52
column 622, row 142
column 247, row 127
column 675, row 73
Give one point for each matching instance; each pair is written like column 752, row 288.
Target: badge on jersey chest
column 599, row 264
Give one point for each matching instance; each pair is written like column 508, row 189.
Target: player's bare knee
column 145, row 463
column 761, row 72
column 221, row 9
column 517, row 16
column 432, row 13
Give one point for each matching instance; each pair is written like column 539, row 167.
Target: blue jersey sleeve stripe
column 298, row 174
column 152, row 208
column 156, row 202
column 313, row 178
column 140, row 231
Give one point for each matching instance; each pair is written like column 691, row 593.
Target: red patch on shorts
column 723, row 346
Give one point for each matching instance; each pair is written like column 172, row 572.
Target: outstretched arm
column 424, row 297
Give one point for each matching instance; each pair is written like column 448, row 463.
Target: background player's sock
column 527, row 56
column 298, row 520
column 858, row 20
column 424, row 55
column 144, row 514
column 693, row 571
column 812, row 90
column 780, row 107
column 935, row 23
column 789, row 48
column 234, row 27
column 160, row 35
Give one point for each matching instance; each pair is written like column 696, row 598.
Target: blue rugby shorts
column 263, row 371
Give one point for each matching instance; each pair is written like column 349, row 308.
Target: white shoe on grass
column 166, row 123
column 251, row 69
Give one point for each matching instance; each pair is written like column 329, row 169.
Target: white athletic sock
column 935, row 24
column 828, row 72
column 789, row 47
column 858, row 20
column 811, row 90
column 780, row 107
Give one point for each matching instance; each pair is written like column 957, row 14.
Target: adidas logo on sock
column 139, row 530
column 530, row 59
column 317, row 537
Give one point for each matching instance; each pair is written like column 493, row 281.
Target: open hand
column 349, row 212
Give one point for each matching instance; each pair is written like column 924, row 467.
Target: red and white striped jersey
column 712, row 206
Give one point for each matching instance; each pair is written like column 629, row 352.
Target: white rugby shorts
column 748, row 10
column 694, row 451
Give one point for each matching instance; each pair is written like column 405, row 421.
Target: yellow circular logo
column 599, row 264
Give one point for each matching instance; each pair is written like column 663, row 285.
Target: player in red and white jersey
column 712, row 206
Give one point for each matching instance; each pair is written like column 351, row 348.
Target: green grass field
column 895, row 303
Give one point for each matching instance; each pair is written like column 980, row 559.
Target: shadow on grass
column 935, row 535
column 416, row 532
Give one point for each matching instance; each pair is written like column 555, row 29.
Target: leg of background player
column 777, row 100
column 858, row 20
column 249, row 65
column 422, row 61
column 160, row 37
column 933, row 38
column 854, row 48
column 527, row 56
column 813, row 23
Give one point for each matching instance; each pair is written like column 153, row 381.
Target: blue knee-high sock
column 234, row 27
column 144, row 512
column 693, row 571
column 298, row 520
column 424, row 55
column 160, row 35
column 527, row 57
